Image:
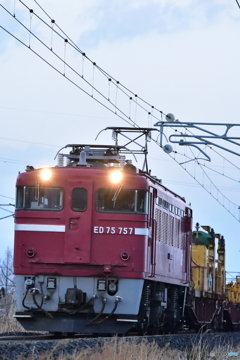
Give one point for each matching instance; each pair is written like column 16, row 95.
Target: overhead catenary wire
column 5, row 217
column 7, row 197
column 99, row 68
column 236, row 206
column 77, row 48
column 120, row 114
column 29, row 142
column 57, row 26
column 221, row 174
column 70, row 43
column 124, row 90
column 52, row 112
column 11, row 212
column 212, row 184
column 119, row 86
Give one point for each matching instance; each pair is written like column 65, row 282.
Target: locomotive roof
column 87, row 155
column 105, row 155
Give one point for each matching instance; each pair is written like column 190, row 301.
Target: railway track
column 29, row 337
column 25, row 336
column 68, row 336
column 42, row 337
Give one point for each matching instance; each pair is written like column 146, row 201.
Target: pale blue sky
column 127, row 19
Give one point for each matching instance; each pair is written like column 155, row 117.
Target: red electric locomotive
column 100, row 246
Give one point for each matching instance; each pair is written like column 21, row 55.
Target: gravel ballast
column 12, row 349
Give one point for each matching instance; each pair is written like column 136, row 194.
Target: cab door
column 78, row 207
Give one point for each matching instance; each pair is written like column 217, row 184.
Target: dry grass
column 119, row 348
column 113, row 349
column 132, row 349
column 203, row 349
column 7, row 309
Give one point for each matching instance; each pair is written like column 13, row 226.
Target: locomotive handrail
column 153, row 249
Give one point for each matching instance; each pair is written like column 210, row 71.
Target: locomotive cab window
column 122, row 200
column 79, row 199
column 39, row 198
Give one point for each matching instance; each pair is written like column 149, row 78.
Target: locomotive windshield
column 39, row 198
column 122, row 200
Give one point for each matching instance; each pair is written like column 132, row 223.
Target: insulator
column 222, row 240
column 60, row 160
column 82, row 158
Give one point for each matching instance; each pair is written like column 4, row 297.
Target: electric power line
column 8, row 216
column 105, row 99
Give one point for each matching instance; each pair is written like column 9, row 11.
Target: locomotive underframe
column 54, row 290
column 99, row 305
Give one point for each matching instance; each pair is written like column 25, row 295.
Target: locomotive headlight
column 46, row 174
column 116, row 176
